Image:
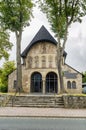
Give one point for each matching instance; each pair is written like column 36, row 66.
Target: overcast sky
column 76, row 43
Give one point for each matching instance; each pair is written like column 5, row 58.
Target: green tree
column 14, row 15
column 84, row 77
column 61, row 14
column 7, row 68
column 5, row 44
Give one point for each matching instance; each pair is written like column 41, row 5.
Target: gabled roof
column 42, row 35
column 73, row 69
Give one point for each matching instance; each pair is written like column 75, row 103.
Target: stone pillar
column 44, row 86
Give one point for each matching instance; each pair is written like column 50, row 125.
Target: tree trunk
column 60, row 52
column 60, row 74
column 59, row 66
column 65, row 40
column 18, row 58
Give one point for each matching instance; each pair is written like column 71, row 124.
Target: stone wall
column 72, row 75
column 74, row 101
column 11, row 79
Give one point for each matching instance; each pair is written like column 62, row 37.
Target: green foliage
column 84, row 77
column 7, row 68
column 61, row 13
column 5, row 44
column 3, row 89
column 14, row 14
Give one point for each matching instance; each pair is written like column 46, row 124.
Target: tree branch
column 74, row 4
column 21, row 16
column 60, row 1
column 72, row 14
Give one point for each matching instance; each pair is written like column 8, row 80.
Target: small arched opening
column 74, row 85
column 68, row 85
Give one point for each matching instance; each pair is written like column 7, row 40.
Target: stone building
column 39, row 71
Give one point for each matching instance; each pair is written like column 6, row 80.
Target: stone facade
column 72, row 76
column 41, row 59
column 39, row 70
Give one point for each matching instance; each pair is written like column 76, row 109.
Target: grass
column 75, row 94
column 57, row 95
column 9, row 93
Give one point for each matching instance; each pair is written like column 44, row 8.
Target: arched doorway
column 36, row 82
column 51, row 83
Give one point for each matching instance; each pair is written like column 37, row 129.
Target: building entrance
column 51, row 83
column 36, row 82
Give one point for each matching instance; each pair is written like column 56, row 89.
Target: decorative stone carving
column 30, row 60
column 50, row 59
column 51, row 48
column 44, row 48
column 43, row 61
column 36, row 58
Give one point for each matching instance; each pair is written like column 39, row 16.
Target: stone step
column 18, row 98
column 30, row 100
column 32, row 104
column 36, row 101
column 38, row 105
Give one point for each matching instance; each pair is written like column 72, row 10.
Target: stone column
column 44, row 86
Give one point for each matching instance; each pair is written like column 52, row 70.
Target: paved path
column 41, row 112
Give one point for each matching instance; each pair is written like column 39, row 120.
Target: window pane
column 51, row 82
column 36, row 82
column 69, row 85
column 74, row 85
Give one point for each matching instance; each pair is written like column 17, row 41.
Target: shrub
column 3, row 89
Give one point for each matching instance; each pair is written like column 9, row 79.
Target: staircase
column 36, row 101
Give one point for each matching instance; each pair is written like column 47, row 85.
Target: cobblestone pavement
column 41, row 112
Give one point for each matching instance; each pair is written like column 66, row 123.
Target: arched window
column 36, row 82
column 74, row 85
column 69, row 85
column 51, row 83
